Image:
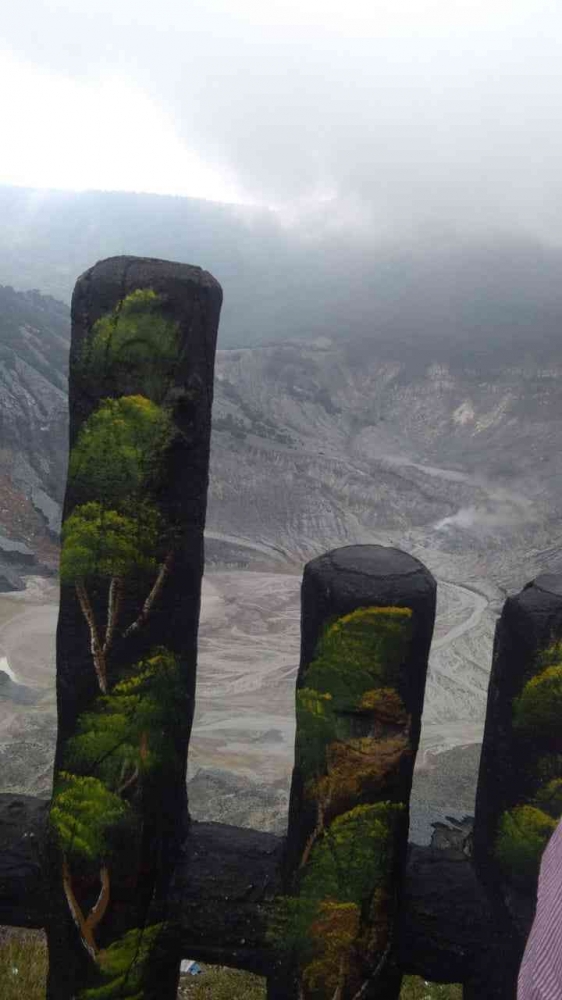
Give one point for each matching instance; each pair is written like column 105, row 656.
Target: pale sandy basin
column 248, row 657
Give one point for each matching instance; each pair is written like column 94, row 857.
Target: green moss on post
column 136, row 341
column 518, row 798
column 537, row 712
column 119, row 450
column 524, row 829
column 523, row 835
column 359, row 701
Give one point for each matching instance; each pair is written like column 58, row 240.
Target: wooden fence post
column 141, row 386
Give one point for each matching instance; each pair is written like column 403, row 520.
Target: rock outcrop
column 33, row 423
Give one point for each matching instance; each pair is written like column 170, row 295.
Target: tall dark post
column 141, row 386
column 367, row 622
column 519, row 794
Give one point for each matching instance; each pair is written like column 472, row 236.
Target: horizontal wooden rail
column 231, row 875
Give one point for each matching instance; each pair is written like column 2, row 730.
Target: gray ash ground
column 241, row 750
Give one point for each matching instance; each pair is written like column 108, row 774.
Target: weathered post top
column 339, row 581
column 188, row 295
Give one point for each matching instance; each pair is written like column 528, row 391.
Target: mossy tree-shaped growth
column 126, row 671
column 359, row 700
column 82, row 813
column 129, row 732
column 131, row 964
column 117, row 532
column 116, row 535
column 526, row 826
column 353, row 737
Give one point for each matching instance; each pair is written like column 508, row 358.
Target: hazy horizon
column 377, row 120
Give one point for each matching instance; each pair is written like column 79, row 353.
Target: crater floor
column 242, row 744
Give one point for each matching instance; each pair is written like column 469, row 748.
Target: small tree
column 130, row 731
column 98, row 544
column 82, row 812
column 119, row 450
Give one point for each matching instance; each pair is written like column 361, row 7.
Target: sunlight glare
column 63, row 134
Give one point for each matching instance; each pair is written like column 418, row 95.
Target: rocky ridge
column 315, row 445
column 320, row 444
column 34, row 340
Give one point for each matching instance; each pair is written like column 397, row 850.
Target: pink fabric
column 540, row 976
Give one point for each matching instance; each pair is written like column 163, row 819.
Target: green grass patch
column 222, row 984
column 26, row 952
column 230, row 984
column 414, row 988
column 23, row 966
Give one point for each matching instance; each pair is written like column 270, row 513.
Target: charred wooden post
column 519, row 796
column 367, row 622
column 141, row 385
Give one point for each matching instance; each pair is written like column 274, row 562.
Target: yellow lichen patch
column 313, row 701
column 369, row 615
column 358, row 768
column 386, row 705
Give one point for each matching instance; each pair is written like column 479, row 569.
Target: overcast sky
column 379, row 115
